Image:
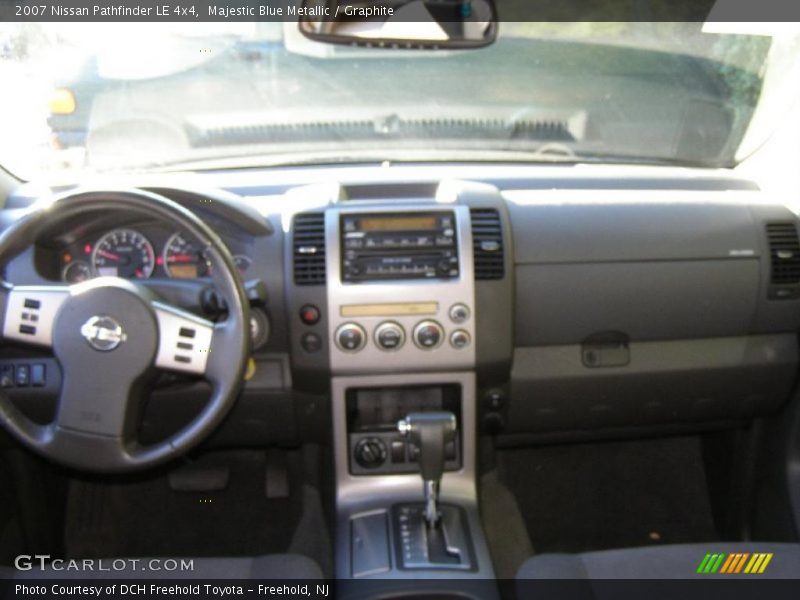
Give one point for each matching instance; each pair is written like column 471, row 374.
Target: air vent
column 308, row 236
column 784, row 251
column 487, row 243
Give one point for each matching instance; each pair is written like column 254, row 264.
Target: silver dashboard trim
column 357, row 495
column 408, row 358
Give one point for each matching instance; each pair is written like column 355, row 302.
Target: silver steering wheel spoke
column 184, row 340
column 31, row 311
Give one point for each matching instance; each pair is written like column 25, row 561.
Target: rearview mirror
column 400, row 23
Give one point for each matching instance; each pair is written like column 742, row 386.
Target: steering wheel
column 110, row 336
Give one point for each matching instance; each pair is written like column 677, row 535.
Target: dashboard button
column 459, row 339
column 389, row 336
column 350, row 337
column 398, row 451
column 428, row 335
column 7, row 376
column 309, row 314
column 459, row 313
column 495, row 399
column 443, row 266
column 23, row 375
column 311, row 343
column 38, row 375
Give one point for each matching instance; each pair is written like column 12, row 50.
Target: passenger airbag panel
column 567, row 303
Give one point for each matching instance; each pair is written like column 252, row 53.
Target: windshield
column 83, row 97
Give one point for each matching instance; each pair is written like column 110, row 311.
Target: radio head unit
column 410, row 245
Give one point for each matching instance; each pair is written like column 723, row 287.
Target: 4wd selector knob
column 428, row 334
column 350, row 337
column 370, row 452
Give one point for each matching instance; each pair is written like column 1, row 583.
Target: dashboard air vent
column 784, row 253
column 308, row 238
column 487, row 243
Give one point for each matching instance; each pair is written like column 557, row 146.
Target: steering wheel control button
column 459, row 313
column 428, row 335
column 389, row 336
column 309, row 314
column 459, row 339
column 311, row 343
column 370, row 453
column 350, row 337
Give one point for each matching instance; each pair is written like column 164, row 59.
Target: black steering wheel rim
column 85, row 448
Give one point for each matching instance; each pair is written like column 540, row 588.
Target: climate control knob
column 350, row 337
column 370, row 452
column 389, row 336
column 428, row 335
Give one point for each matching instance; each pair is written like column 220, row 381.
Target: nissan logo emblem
column 103, row 333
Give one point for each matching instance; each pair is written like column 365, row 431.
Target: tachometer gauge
column 123, row 253
column 76, row 272
column 242, row 262
column 183, row 259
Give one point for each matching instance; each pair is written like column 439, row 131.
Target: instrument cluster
column 138, row 254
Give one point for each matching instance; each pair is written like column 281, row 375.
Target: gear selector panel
column 375, row 445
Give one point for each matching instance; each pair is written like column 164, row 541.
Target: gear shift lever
column 430, row 431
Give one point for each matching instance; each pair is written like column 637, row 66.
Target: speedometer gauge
column 123, row 253
column 183, row 259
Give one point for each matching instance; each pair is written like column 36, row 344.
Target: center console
column 401, row 323
column 382, row 528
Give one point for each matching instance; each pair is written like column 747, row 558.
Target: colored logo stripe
column 727, row 565
column 758, row 563
column 734, row 563
column 710, row 563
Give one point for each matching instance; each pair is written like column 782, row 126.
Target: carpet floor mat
column 143, row 516
column 583, row 497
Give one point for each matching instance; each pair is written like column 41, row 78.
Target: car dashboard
column 532, row 303
column 554, row 285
